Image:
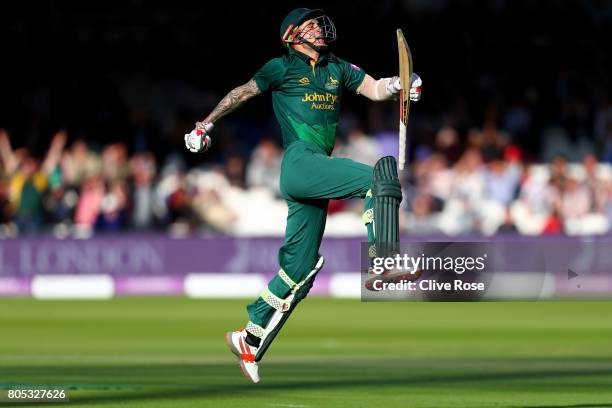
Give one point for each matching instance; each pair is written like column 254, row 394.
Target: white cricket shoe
column 236, row 341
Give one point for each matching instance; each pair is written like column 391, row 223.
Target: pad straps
column 255, row 330
column 283, row 275
column 282, row 305
column 368, row 216
column 277, row 303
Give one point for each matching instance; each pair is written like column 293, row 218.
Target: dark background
column 143, row 71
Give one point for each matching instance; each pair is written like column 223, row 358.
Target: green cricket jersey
column 306, row 95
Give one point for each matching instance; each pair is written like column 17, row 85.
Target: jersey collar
column 322, row 57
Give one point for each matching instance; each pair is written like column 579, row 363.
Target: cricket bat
column 405, row 73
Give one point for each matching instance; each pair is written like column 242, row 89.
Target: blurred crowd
column 475, row 183
column 491, row 189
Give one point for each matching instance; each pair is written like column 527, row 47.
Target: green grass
column 163, row 352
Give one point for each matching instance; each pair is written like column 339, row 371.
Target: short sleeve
column 270, row 76
column 352, row 75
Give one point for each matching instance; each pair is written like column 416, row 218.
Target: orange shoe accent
column 246, row 354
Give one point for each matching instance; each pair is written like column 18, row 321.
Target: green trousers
column 309, row 179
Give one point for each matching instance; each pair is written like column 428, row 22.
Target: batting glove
column 415, row 87
column 394, row 86
column 198, row 140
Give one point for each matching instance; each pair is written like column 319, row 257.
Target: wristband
column 207, row 127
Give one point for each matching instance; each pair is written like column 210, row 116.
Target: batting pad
column 278, row 319
column 387, row 194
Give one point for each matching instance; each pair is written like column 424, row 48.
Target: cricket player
column 307, row 85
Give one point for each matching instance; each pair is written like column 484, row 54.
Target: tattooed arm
column 198, row 140
column 233, row 100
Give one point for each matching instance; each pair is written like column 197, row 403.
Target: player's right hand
column 198, row 140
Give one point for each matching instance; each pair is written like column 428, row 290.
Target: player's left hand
column 394, row 87
column 415, row 87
